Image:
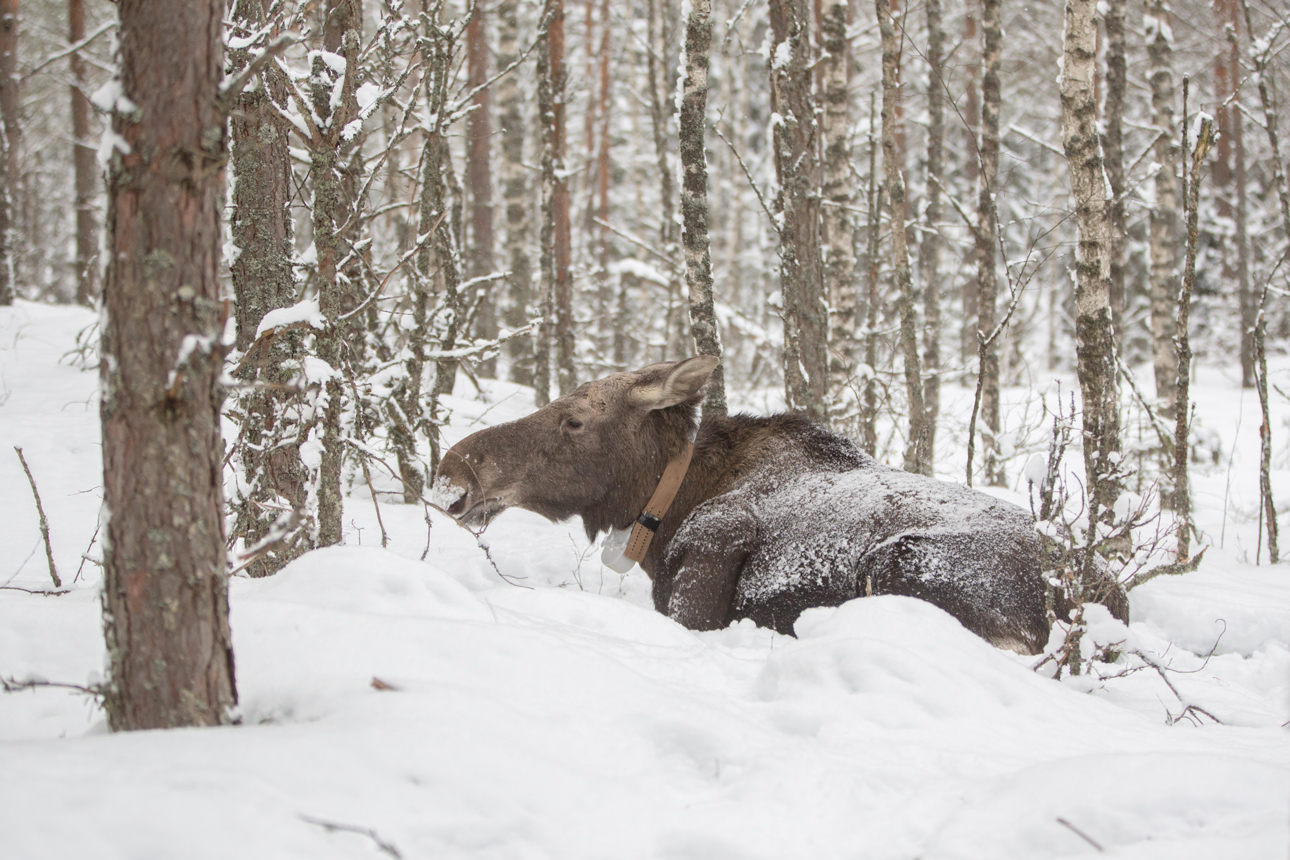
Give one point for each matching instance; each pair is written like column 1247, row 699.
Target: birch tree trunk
column 987, row 236
column 165, row 598
column 916, row 459
column 515, row 191
column 562, row 248
column 479, row 174
column 546, row 130
column 929, row 250
column 1094, row 338
column 839, row 197
column 694, row 199
column 1164, row 214
column 9, row 127
column 86, row 181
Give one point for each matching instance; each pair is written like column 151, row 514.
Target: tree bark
column 1094, row 338
column 9, row 140
column 972, row 169
column 916, row 459
column 839, row 197
column 694, row 198
column 668, row 234
column 562, row 248
column 1182, row 498
column 263, row 281
column 479, row 176
column 1113, row 153
column 86, row 181
column 929, row 251
column 797, row 205
column 1164, row 215
column 987, row 236
column 165, row 600
column 515, row 191
column 546, row 127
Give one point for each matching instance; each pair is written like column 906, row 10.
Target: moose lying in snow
column 773, row 515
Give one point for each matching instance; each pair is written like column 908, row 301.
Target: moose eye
column 573, row 423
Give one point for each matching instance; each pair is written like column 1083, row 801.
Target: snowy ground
column 557, row 715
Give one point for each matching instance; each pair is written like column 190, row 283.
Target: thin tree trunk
column 916, row 459
column 263, row 281
column 929, row 251
column 608, row 318
column 987, row 237
column 806, row 365
column 515, row 190
column 972, row 169
column 1164, row 214
column 9, row 135
column 165, row 598
column 1235, row 132
column 546, row 126
column 562, row 249
column 479, row 176
column 1182, row 499
column 839, row 197
column 86, row 181
column 668, row 234
column 1113, row 153
column 694, row 198
column 869, row 410
column 1094, row 339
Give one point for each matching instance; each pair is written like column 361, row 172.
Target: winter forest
column 264, row 262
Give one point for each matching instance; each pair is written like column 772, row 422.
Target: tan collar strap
column 648, row 522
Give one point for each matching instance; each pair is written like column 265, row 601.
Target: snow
column 438, row 709
column 305, row 311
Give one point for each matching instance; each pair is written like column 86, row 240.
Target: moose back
column 774, row 515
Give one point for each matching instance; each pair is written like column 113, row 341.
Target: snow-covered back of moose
column 775, row 515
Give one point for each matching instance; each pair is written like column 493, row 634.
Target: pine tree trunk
column 515, row 191
column 806, row 364
column 869, row 409
column 1234, row 131
column 9, row 120
column 263, row 281
column 165, row 599
column 658, row 90
column 916, row 459
column 1094, row 339
column 839, row 197
column 694, row 199
column 479, row 176
column 86, row 181
column 987, row 237
column 1164, row 214
column 972, row 169
column 1113, row 153
column 929, row 251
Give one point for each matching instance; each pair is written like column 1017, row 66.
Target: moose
column 770, row 515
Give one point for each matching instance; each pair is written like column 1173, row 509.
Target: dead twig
column 334, row 827
column 44, row 523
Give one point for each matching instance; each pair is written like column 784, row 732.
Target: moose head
column 597, row 452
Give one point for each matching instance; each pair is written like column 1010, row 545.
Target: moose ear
column 679, row 383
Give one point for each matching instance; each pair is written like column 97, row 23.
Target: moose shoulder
column 774, row 515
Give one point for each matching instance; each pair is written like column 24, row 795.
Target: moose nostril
column 458, row 507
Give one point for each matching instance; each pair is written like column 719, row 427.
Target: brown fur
column 775, row 515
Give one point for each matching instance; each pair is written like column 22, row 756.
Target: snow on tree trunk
column 694, row 198
column 263, row 281
column 1164, row 214
column 797, row 208
column 9, row 135
column 165, row 599
column 839, row 197
column 1113, row 153
column 479, row 176
column 1094, row 338
column 987, row 237
column 929, row 250
column 515, row 190
column 916, row 459
column 86, row 171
